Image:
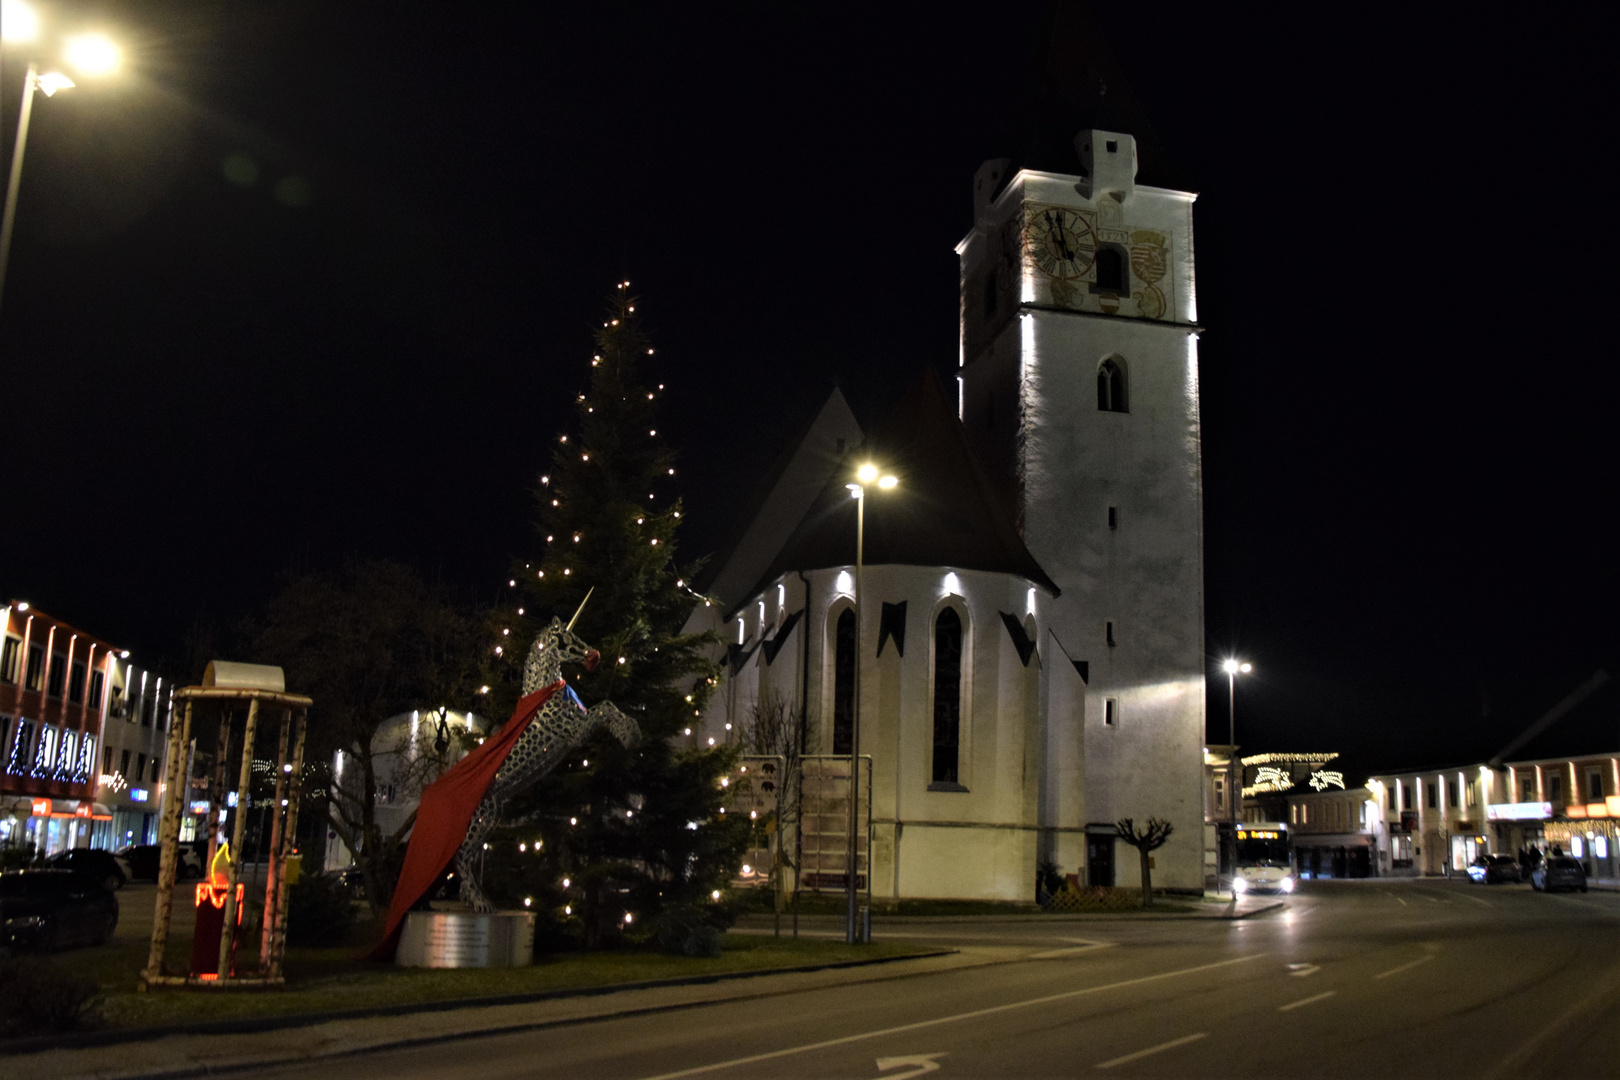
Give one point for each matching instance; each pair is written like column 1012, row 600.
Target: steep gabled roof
column 944, row 512
column 779, row 501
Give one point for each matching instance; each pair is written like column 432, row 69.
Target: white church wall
column 1030, row 406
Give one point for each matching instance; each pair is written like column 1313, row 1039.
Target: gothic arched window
column 844, row 682
column 947, row 694
column 1111, row 386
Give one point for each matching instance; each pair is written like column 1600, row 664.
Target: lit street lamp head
column 92, row 54
column 18, row 23
column 866, row 473
column 1235, row 667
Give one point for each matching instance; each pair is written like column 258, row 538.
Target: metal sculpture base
column 466, row 939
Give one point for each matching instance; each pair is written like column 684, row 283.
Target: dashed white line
column 920, row 1024
column 1306, row 1001
column 1171, row 1045
column 1403, row 967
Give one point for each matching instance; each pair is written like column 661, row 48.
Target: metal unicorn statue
column 459, row 809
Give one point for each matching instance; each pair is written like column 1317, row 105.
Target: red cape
column 446, row 810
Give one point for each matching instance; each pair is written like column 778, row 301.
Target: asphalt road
column 1355, row 979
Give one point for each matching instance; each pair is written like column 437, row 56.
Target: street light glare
column 866, row 473
column 92, row 54
column 1245, row 668
column 1230, row 667
column 888, row 482
column 52, row 81
column 18, row 22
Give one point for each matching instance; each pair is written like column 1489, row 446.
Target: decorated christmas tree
column 617, row 839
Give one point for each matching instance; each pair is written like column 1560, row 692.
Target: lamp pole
column 30, row 80
column 88, row 54
column 1234, row 786
column 866, row 474
column 852, row 930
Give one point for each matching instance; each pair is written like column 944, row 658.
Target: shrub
column 40, row 999
column 319, row 911
column 1099, row 898
column 686, row 931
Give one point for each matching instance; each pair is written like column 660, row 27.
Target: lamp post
column 1234, row 790
column 866, row 474
column 89, row 54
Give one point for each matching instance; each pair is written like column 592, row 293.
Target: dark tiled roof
column 944, row 513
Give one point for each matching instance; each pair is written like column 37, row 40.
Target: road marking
column 1403, row 967
column 1299, row 971
column 1081, row 945
column 925, row 1064
column 1482, row 903
column 1397, row 899
column 1171, row 1045
column 698, row 1070
column 1306, row 1001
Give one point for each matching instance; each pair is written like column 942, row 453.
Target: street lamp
column 1234, row 791
column 88, row 54
column 867, row 473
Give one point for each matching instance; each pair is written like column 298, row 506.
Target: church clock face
column 1062, row 241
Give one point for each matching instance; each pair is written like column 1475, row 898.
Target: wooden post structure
column 225, row 687
column 176, row 789
column 272, row 883
column 278, row 937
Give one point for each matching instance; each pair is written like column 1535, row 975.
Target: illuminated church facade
column 1030, row 666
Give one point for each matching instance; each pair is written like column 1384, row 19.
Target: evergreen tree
column 636, row 831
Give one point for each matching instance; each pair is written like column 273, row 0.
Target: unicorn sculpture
column 459, row 809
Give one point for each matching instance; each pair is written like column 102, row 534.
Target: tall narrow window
column 76, row 682
column 1110, row 712
column 58, row 675
column 10, row 655
column 844, row 682
column 1113, row 517
column 1108, row 631
column 1111, row 396
column 1110, row 271
column 947, row 695
column 36, row 668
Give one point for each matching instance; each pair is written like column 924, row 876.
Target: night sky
column 310, row 281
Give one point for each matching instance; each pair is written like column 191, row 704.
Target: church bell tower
column 1079, row 389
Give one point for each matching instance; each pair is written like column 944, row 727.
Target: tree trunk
column 1147, row 878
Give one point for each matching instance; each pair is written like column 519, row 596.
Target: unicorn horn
column 582, row 604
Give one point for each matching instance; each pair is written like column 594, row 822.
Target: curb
column 253, row 1025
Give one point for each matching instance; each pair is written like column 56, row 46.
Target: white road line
column 698, row 1070
column 1398, row 900
column 1482, row 903
column 1403, row 967
column 1305, row 1001
column 1081, row 945
column 1171, row 1045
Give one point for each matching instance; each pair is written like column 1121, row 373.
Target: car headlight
column 1240, row 884
column 1287, row 884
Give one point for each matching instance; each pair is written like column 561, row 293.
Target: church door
column 1100, row 861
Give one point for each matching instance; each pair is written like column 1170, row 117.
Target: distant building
column 54, row 681
column 134, row 740
column 406, row 757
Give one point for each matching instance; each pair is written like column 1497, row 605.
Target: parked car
column 104, row 866
column 144, row 860
column 1495, row 869
column 53, row 909
column 1558, row 872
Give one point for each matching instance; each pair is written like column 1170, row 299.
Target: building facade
column 54, row 694
column 1027, row 652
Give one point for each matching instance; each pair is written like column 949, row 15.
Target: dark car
column 104, row 866
column 1495, row 869
column 53, row 909
column 1558, row 872
column 145, row 859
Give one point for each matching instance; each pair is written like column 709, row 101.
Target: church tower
column 1078, row 387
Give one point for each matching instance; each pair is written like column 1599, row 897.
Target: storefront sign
column 139, row 794
column 42, row 808
column 84, row 809
column 1409, row 821
column 1519, row 811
